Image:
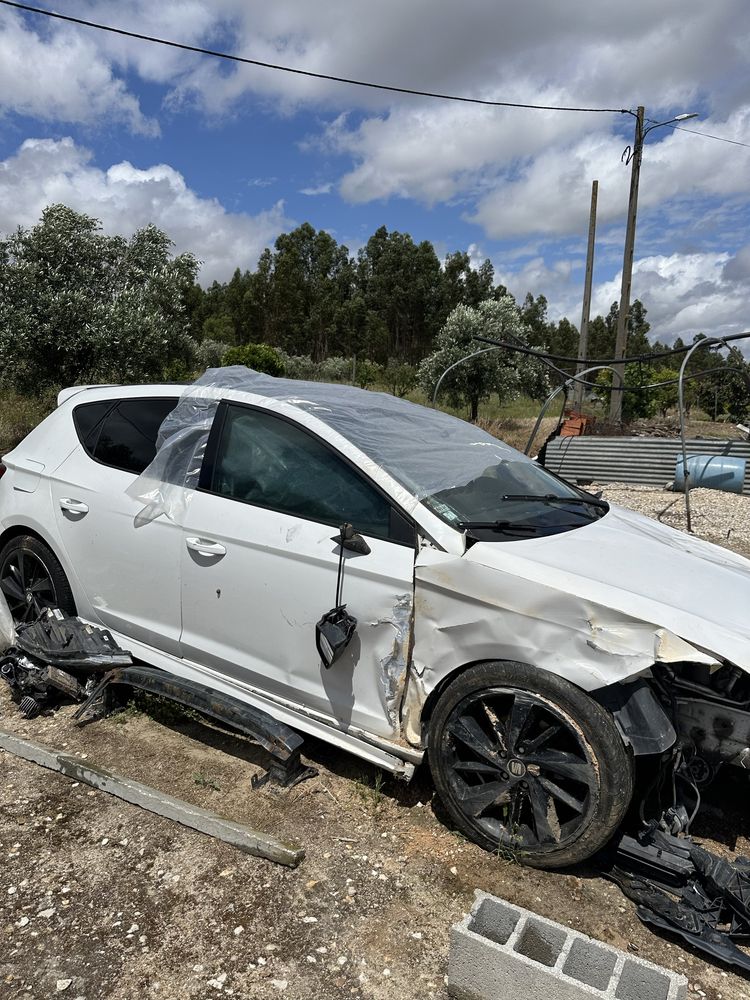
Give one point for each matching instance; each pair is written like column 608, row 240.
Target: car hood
column 644, row 570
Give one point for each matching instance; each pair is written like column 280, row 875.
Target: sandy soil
column 99, row 899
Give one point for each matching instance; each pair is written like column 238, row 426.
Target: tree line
column 79, row 305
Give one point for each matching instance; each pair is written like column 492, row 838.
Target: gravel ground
column 722, row 518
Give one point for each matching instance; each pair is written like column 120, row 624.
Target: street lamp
column 632, row 156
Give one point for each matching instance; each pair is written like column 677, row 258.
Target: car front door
column 128, row 568
column 260, row 566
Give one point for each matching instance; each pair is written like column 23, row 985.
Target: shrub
column 259, row 357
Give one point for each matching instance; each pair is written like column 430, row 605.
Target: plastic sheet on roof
column 424, row 450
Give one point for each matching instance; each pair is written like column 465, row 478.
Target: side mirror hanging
column 335, row 630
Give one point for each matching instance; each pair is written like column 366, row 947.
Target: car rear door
column 129, row 569
column 260, row 566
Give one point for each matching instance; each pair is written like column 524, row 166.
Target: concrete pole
column 621, row 342
column 583, row 337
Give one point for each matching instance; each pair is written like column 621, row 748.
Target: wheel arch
column 641, row 720
column 19, row 530
column 435, row 693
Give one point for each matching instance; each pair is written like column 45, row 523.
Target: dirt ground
column 99, row 899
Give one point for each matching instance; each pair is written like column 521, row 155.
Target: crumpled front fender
column 466, row 612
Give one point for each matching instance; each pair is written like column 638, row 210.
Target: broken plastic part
column 640, row 718
column 682, row 888
column 333, row 633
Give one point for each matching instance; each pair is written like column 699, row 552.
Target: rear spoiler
column 65, row 394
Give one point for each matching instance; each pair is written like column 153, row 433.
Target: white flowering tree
column 78, row 306
column 503, row 372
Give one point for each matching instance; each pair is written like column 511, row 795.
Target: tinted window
column 123, row 435
column 272, row 463
column 88, row 421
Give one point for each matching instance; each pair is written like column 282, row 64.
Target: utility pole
column 583, row 337
column 621, row 342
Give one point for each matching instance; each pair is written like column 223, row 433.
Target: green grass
column 203, row 782
column 370, row 790
column 20, row 414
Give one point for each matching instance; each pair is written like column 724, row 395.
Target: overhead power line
column 295, row 70
column 707, row 135
column 546, row 356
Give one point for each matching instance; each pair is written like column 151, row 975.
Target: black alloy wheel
column 32, row 579
column 529, row 768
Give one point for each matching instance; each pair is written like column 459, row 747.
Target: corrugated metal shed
column 649, row 461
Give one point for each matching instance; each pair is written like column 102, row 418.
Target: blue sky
column 223, row 158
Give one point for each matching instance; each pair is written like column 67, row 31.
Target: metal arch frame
column 706, row 342
column 555, row 392
column 484, row 350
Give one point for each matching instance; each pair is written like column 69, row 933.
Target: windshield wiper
column 554, row 499
column 526, row 529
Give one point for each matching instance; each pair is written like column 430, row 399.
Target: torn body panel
column 560, row 608
column 467, row 612
column 393, row 666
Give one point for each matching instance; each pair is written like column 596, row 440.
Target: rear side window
column 122, row 433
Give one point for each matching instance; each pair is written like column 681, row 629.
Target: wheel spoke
column 42, row 585
column 542, row 739
column 565, row 765
column 479, row 798
column 22, row 568
column 561, row 795
column 15, row 572
column 497, row 728
column 476, row 767
column 519, row 716
column 470, row 733
column 545, row 815
column 9, row 586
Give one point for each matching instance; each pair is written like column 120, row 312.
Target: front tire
column 32, row 579
column 528, row 765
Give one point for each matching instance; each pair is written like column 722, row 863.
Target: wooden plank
column 262, row 845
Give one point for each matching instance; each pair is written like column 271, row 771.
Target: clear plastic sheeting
column 424, row 450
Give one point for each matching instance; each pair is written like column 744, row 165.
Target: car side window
column 122, row 434
column 270, row 462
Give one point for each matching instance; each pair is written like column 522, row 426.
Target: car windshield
column 514, row 499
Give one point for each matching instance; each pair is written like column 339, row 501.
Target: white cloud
column 317, row 189
column 684, row 293
column 63, row 77
column 687, row 294
column 124, row 197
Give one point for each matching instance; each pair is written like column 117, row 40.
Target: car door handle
column 74, row 506
column 205, row 547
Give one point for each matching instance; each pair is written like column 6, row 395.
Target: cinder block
column 500, row 950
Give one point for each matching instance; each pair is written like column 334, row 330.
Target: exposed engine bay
column 711, row 708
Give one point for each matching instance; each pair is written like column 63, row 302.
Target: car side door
column 129, row 569
column 260, row 565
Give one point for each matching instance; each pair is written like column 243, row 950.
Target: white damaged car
column 529, row 639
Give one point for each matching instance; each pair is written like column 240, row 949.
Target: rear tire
column 32, row 579
column 528, row 765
